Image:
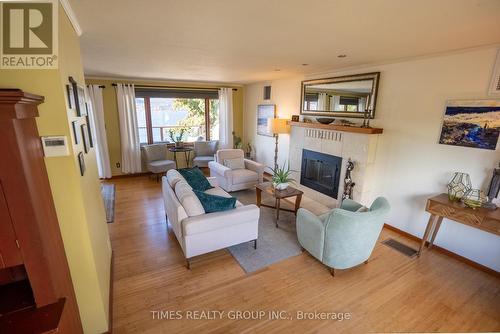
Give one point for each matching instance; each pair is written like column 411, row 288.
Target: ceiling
column 242, row 41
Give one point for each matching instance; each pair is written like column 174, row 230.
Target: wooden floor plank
column 391, row 293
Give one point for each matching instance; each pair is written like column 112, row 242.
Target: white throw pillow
column 238, row 163
column 188, row 199
column 363, row 209
column 173, row 176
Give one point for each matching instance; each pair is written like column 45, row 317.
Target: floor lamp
column 278, row 126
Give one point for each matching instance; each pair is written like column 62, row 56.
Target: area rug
column 108, row 194
column 274, row 244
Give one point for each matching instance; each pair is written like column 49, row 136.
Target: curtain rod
column 176, row 87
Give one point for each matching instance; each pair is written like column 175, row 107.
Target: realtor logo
column 29, row 34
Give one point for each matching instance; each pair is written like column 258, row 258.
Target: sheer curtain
column 129, row 133
column 97, row 125
column 323, row 101
column 226, row 118
column 335, row 103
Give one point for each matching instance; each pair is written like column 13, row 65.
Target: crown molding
column 137, row 80
column 71, row 16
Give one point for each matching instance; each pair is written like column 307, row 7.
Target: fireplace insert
column 321, row 172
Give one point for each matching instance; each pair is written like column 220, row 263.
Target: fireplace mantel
column 336, row 127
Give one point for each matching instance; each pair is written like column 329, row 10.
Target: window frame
column 149, row 124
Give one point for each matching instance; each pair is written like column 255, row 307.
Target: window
column 349, row 103
column 171, row 115
column 311, row 101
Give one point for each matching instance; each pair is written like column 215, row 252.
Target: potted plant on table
column 281, row 177
column 177, row 137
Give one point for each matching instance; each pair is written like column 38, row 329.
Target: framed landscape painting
column 471, row 123
column 264, row 113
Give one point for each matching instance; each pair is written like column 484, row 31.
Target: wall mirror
column 346, row 96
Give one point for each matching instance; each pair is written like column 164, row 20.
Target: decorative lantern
column 459, row 185
column 474, row 198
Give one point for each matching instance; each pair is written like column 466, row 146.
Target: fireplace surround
column 357, row 144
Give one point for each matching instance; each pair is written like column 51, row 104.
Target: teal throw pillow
column 195, row 178
column 214, row 203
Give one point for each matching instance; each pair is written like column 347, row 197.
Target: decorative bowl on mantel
column 325, row 120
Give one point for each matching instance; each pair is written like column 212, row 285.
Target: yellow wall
column 77, row 199
column 111, row 112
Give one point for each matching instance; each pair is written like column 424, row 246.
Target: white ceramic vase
column 281, row 186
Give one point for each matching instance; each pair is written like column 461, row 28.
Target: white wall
column 411, row 165
column 286, row 95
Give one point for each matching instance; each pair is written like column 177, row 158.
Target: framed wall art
column 76, row 135
column 79, row 96
column 471, row 123
column 81, row 162
column 70, row 95
column 264, row 113
column 85, row 138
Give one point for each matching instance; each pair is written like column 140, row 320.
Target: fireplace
column 321, row 172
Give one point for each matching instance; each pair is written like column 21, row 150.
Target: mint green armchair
column 342, row 238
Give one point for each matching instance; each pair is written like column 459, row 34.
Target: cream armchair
column 237, row 178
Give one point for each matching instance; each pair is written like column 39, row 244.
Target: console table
column 441, row 207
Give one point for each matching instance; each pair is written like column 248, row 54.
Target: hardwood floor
column 391, row 293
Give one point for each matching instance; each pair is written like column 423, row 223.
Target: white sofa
column 235, row 179
column 199, row 232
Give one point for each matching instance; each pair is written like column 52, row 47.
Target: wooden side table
column 441, row 207
column 278, row 196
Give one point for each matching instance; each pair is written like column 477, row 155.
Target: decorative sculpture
column 366, row 118
column 494, row 189
column 348, row 183
column 459, row 185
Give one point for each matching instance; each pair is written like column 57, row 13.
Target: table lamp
column 278, row 126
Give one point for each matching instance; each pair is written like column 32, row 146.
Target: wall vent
column 267, row 92
column 495, row 78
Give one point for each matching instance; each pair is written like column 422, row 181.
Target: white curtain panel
column 361, row 104
column 323, row 101
column 226, row 118
column 129, row 133
column 335, row 103
column 98, row 129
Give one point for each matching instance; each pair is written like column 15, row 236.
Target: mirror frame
column 346, row 78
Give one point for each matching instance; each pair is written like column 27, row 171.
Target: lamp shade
column 279, row 125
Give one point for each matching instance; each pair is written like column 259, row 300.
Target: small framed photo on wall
column 76, row 135
column 81, row 162
column 71, row 96
column 89, row 128
column 79, row 96
column 85, row 137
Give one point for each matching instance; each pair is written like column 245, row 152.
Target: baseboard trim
column 122, row 176
column 110, row 309
column 445, row 251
